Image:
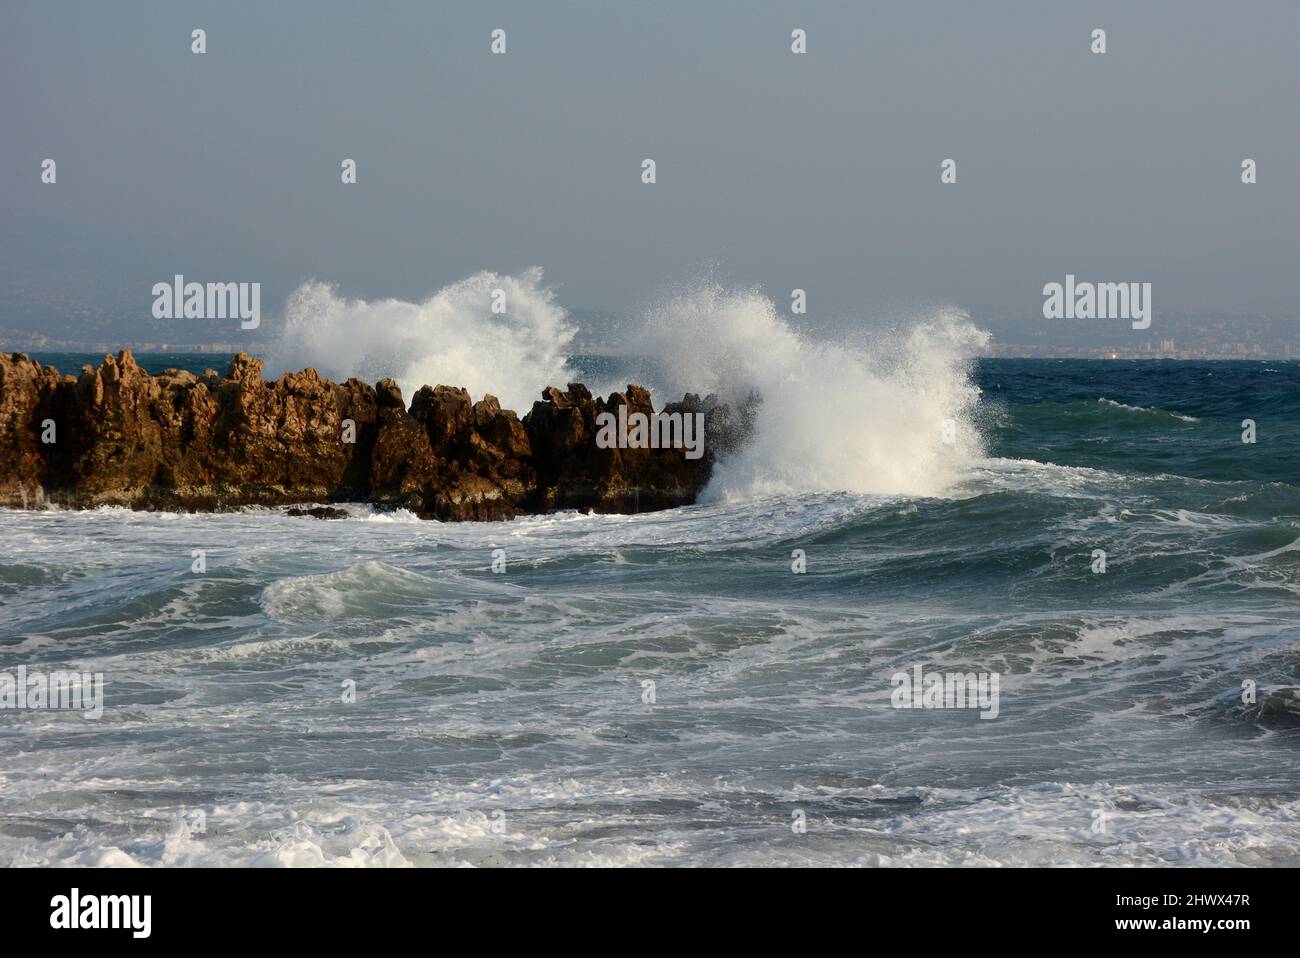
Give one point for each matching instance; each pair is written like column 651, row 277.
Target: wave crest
column 834, row 416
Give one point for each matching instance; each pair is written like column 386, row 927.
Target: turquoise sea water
column 505, row 718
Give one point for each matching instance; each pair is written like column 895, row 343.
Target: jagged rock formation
column 117, row 435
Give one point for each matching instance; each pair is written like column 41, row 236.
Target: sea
column 1115, row 543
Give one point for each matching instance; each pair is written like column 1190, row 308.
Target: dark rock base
column 116, row 435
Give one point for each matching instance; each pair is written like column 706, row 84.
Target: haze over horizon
column 776, row 171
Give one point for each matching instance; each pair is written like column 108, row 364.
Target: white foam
column 835, row 416
column 1148, row 409
column 452, row 338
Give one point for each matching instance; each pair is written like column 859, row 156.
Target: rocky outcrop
column 575, row 473
column 118, row 435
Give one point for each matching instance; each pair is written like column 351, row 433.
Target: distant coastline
column 1183, row 336
column 1237, row 352
column 996, row 350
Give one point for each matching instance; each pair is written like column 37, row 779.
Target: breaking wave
column 453, row 338
column 895, row 415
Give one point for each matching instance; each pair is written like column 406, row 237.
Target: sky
column 819, row 171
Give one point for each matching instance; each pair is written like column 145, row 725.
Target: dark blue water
column 1149, row 706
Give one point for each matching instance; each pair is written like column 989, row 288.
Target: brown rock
column 179, row 441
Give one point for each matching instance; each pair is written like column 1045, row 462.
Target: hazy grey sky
column 818, row 171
